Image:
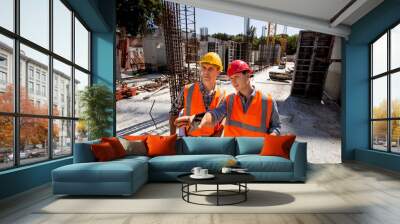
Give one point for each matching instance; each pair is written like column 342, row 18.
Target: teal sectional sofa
column 125, row 176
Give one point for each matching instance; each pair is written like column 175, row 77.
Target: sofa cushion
column 207, row 145
column 277, row 145
column 257, row 163
column 134, row 147
column 185, row 163
column 249, row 145
column 116, row 145
column 112, row 171
column 161, row 145
column 103, row 152
column 132, row 157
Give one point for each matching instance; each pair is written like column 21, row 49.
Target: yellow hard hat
column 212, row 58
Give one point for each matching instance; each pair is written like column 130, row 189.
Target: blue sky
column 217, row 22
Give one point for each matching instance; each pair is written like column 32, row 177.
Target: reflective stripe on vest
column 188, row 108
column 266, row 111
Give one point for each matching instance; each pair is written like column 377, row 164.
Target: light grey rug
column 166, row 198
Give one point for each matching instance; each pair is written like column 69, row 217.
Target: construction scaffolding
column 188, row 26
column 244, row 48
column 271, row 43
column 269, row 53
column 179, row 26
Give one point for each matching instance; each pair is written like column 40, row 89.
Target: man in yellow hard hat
column 200, row 97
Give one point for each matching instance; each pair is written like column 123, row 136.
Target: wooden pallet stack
column 312, row 63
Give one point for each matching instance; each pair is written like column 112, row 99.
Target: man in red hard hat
column 248, row 112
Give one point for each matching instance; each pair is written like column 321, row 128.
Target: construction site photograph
column 160, row 44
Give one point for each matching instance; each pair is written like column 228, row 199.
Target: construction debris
column 123, row 91
column 281, row 76
column 154, row 85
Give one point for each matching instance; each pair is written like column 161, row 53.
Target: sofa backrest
column 190, row 146
column 249, row 145
column 206, row 145
column 83, row 152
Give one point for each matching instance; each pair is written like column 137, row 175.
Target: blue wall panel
column 103, row 54
column 356, row 85
column 24, row 178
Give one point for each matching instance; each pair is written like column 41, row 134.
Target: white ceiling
column 305, row 14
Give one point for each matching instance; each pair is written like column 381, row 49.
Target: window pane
column 33, row 139
column 62, row 89
column 7, row 14
column 81, row 81
column 379, row 135
column 6, row 74
column 81, row 45
column 35, row 21
column 62, row 141
column 379, row 55
column 395, row 94
column 6, row 142
column 62, row 29
column 395, row 136
column 34, row 81
column 379, row 97
column 81, row 132
column 395, row 47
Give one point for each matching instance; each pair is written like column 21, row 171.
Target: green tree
column 139, row 16
column 251, row 34
column 238, row 37
column 380, row 128
column 222, row 36
column 292, row 44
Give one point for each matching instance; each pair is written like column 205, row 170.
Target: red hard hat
column 237, row 66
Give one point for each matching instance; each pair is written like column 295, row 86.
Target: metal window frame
column 16, row 114
column 388, row 74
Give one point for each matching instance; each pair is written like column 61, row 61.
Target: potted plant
column 97, row 103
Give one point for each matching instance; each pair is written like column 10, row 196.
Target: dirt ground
column 315, row 123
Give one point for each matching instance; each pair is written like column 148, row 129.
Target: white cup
column 226, row 170
column 196, row 171
column 203, row 172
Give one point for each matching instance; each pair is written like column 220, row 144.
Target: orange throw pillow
column 161, row 145
column 277, row 145
column 103, row 152
column 116, row 145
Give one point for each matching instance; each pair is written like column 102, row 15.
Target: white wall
column 154, row 50
column 332, row 86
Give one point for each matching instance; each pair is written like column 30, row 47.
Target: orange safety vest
column 252, row 123
column 194, row 104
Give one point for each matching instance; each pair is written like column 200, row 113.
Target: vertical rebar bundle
column 179, row 26
column 271, row 42
column 173, row 44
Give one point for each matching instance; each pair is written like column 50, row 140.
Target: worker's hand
column 207, row 121
column 184, row 121
column 274, row 134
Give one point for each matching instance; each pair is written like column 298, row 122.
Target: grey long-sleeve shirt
column 275, row 124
